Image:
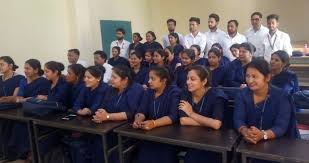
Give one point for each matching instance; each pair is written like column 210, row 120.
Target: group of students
column 157, row 87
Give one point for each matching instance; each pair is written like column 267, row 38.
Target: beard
column 120, row 38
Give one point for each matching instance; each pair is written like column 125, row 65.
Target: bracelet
column 154, row 123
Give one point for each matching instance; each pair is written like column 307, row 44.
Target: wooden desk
column 280, row 150
column 221, row 141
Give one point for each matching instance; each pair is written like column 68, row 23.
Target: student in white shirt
column 232, row 37
column 100, row 58
column 73, row 57
column 195, row 37
column 257, row 33
column 214, row 34
column 171, row 26
column 121, row 42
column 275, row 39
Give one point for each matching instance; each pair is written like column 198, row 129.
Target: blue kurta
column 141, row 75
column 8, row 86
column 151, row 46
column 224, row 61
column 181, row 76
column 172, row 65
column 235, row 75
column 119, row 61
column 201, row 61
column 75, row 90
column 139, row 47
column 154, row 108
column 91, row 99
column 211, row 105
column 60, row 93
column 19, row 140
column 217, row 76
column 278, row 115
column 286, row 80
column 177, row 50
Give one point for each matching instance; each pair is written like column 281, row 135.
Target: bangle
column 154, row 123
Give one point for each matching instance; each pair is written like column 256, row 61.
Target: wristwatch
column 265, row 137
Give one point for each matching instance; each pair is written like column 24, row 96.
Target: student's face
column 29, row 71
column 185, row 60
column 71, row 77
column 157, row 58
column 115, row 52
column 155, row 82
column 231, row 28
column 49, row 74
column 72, row 58
column 134, row 61
column 171, row 26
column 169, row 55
column 194, row 82
column 98, row 60
column 212, row 24
column 172, row 40
column 256, row 21
column 117, row 82
column 213, row 59
column 197, row 55
column 5, row 67
column 119, row 35
column 90, row 81
column 148, row 57
column 244, row 55
column 135, row 38
column 272, row 24
column 193, row 26
column 149, row 37
column 276, row 63
column 235, row 52
column 256, row 80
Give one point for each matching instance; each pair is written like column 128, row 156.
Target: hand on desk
column 252, row 134
column 84, row 111
column 100, row 116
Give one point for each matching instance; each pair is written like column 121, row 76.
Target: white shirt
column 82, row 62
column 213, row 37
column 256, row 38
column 279, row 41
column 227, row 42
column 166, row 41
column 108, row 72
column 199, row 39
column 124, row 48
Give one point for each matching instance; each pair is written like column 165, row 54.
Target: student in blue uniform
column 148, row 60
column 158, row 108
column 217, row 71
column 151, row 42
column 75, row 77
column 117, row 59
column 236, row 75
column 172, row 61
column 187, row 60
column 201, row 105
column 92, row 94
column 9, row 80
column 124, row 97
column 262, row 111
column 281, row 76
column 59, row 88
column 139, row 71
column 224, row 60
column 175, row 44
column 197, row 52
column 136, row 45
column 31, row 86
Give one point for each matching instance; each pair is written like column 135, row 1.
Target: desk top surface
column 15, row 114
column 188, row 136
column 295, row 150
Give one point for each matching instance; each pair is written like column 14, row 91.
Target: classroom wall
column 46, row 29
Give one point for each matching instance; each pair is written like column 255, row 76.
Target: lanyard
column 119, row 98
column 156, row 110
column 201, row 107
column 121, row 44
column 272, row 45
column 263, row 110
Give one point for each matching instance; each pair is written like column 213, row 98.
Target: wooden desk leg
column 33, row 142
column 36, row 142
column 105, row 148
column 243, row 158
column 224, row 157
column 120, row 149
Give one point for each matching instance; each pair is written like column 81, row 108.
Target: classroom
column 148, row 81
